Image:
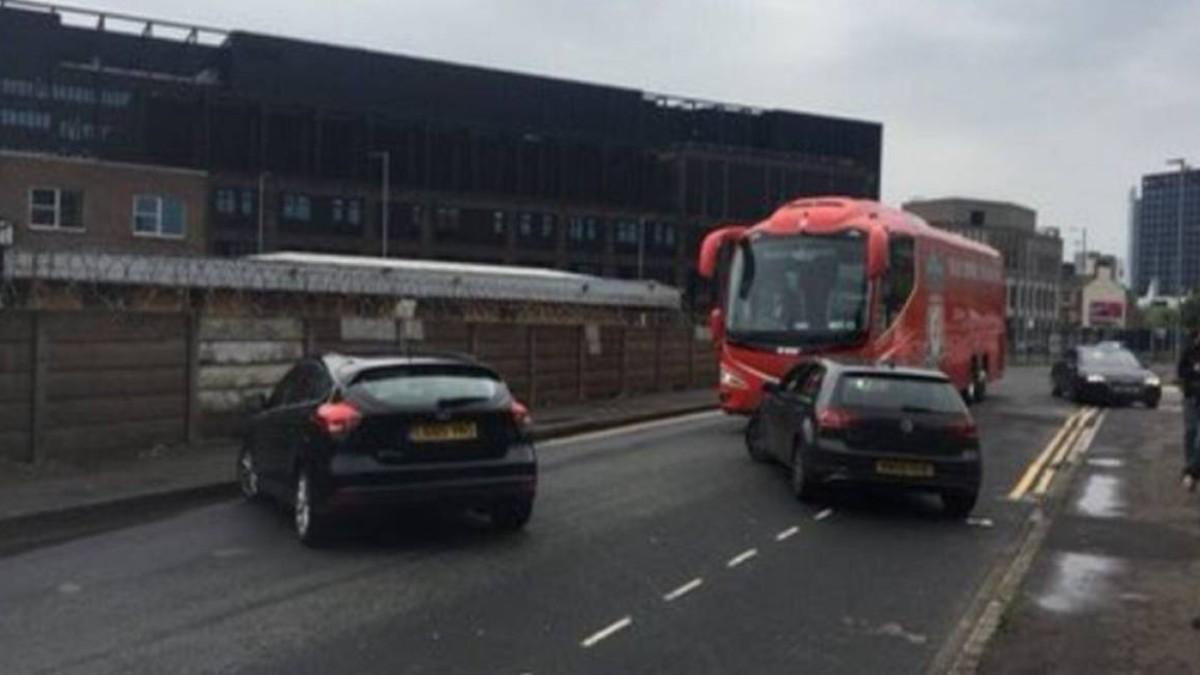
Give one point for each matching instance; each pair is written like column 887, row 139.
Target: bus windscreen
column 799, row 290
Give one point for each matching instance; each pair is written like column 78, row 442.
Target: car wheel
column 959, row 504
column 512, row 515
column 755, row 444
column 247, row 476
column 311, row 527
column 1152, row 402
column 803, row 486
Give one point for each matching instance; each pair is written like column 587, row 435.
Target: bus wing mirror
column 716, row 325
column 877, row 253
column 711, row 247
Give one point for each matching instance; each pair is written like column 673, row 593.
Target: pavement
column 1114, row 587
column 658, row 547
column 56, row 502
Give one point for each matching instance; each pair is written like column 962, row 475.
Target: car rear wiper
column 460, row 401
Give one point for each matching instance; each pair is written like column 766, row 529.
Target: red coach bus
column 851, row 278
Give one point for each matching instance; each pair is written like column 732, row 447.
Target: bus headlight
column 731, row 379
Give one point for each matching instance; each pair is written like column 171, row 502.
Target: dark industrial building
column 289, row 141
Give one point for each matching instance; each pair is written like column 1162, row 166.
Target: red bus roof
column 828, row 214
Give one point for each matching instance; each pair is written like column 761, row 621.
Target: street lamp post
column 1183, row 169
column 386, row 158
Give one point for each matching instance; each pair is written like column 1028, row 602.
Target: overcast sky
column 1060, row 105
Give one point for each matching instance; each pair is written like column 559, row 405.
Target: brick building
column 67, row 203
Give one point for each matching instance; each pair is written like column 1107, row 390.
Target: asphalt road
column 603, row 581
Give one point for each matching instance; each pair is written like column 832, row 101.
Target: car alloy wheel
column 802, row 485
column 248, row 475
column 754, row 438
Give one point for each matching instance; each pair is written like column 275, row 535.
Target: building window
column 582, row 230
column 498, row 226
column 158, row 216
column 26, row 119
column 248, row 200
column 55, row 209
column 297, row 208
column 226, row 202
column 346, row 211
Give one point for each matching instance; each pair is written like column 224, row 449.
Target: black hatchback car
column 341, row 434
column 867, row 424
column 1104, row 373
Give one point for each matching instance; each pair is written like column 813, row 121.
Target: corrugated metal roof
column 319, row 273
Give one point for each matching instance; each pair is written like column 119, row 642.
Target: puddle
column 1106, row 462
column 1081, row 582
column 1101, row 497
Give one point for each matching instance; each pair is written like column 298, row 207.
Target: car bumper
column 1108, row 393
column 832, row 465
column 361, row 481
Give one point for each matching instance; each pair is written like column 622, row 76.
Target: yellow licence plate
column 885, row 467
column 452, row 431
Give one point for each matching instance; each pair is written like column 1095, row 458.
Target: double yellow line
column 1040, row 473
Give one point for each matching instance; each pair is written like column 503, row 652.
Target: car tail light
column 834, row 419
column 337, row 419
column 521, row 416
column 965, row 430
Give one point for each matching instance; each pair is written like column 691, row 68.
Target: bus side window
column 901, row 277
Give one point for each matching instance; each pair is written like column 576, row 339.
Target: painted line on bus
column 683, row 590
column 631, row 428
column 606, row 632
column 741, row 557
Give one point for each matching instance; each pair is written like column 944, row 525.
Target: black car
column 341, row 435
column 868, row 424
column 1104, row 373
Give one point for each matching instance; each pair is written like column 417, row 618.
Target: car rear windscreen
column 891, row 392
column 427, row 386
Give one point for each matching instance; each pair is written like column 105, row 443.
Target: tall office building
column 1155, row 233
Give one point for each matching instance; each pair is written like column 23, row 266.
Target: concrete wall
column 86, row 386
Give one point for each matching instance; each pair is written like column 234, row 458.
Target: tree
column 1160, row 316
column 1191, row 312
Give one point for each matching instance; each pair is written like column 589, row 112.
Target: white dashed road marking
column 741, row 557
column 606, row 632
column 787, row 534
column 823, row 515
column 683, row 590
